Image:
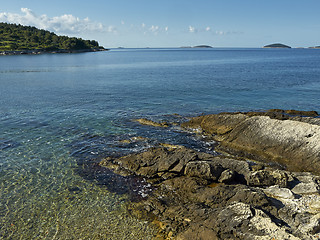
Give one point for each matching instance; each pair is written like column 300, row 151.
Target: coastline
column 83, row 104
column 39, row 51
column 239, row 193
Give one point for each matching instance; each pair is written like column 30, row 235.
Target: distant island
column 202, row 46
column 18, row 39
column 199, row 46
column 276, row 45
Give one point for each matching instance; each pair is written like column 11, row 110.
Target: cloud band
column 64, row 24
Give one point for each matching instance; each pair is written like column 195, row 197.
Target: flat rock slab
column 293, row 142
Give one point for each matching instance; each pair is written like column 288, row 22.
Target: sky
column 173, row 23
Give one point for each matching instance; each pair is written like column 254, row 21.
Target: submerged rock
column 151, row 123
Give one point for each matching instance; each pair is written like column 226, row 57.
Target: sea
column 60, row 114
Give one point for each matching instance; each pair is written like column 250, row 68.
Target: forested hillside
column 15, row 37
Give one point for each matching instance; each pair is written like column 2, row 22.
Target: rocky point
column 263, row 184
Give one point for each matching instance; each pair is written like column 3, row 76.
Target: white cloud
column 192, row 29
column 112, row 29
column 209, row 29
column 154, row 28
column 64, row 24
column 226, row 32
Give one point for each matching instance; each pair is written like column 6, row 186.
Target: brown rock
column 215, row 123
column 295, row 112
column 294, row 144
column 151, row 123
column 227, row 176
column 187, row 205
column 268, row 178
column 203, row 169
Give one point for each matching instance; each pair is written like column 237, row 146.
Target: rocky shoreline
column 290, row 138
column 39, row 51
column 263, row 184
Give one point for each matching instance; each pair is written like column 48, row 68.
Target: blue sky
column 173, row 23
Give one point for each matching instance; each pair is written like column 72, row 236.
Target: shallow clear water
column 59, row 114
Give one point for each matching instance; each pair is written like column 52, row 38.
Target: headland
column 17, row 40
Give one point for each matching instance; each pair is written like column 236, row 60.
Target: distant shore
column 39, row 51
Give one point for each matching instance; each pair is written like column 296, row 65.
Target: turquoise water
column 60, row 114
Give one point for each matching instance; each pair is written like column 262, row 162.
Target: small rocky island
column 276, row 45
column 202, row 46
column 263, row 183
column 17, row 39
column 198, row 46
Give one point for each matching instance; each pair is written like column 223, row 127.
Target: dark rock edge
column 39, row 51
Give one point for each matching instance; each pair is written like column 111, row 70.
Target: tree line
column 15, row 37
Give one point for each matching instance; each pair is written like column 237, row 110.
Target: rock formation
column 242, row 195
column 151, row 123
column 293, row 142
column 201, row 196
